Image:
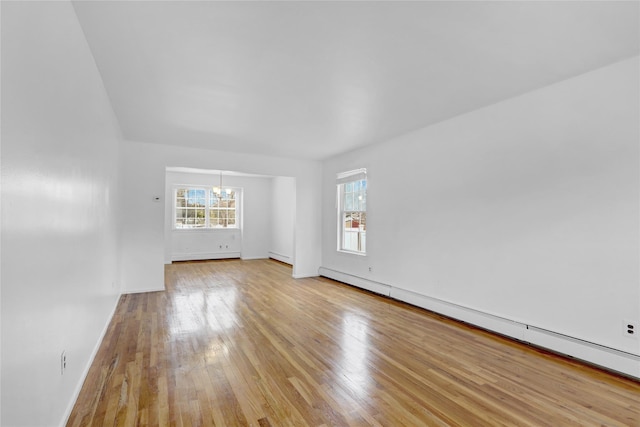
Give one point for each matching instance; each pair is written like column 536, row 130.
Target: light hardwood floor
column 236, row 343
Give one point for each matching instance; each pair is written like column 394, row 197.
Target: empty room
column 320, row 213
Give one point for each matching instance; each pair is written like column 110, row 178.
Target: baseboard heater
column 597, row 354
column 280, row 257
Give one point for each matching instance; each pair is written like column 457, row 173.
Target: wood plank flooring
column 240, row 343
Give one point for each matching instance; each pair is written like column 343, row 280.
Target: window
column 200, row 207
column 352, row 211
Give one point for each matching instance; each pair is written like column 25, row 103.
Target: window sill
column 343, row 251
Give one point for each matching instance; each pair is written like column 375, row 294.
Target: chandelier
column 219, row 192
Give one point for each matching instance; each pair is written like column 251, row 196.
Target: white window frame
column 343, row 179
column 207, row 208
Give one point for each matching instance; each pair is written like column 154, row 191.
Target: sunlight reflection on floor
column 355, row 354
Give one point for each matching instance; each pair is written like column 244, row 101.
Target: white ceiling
column 314, row 79
column 180, row 169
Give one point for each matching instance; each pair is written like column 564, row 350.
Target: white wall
column 249, row 241
column 283, row 219
column 59, row 224
column 144, row 176
column 527, row 209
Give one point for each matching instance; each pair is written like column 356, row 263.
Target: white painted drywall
column 283, row 219
column 527, row 209
column 249, row 241
column 256, row 217
column 144, row 167
column 59, row 203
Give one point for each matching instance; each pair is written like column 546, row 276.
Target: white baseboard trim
column 280, row 257
column 143, row 291
column 249, row 258
column 303, row 276
column 606, row 357
column 378, row 288
column 203, row 255
column 85, row 372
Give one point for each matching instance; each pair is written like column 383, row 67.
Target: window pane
column 214, row 217
column 180, row 197
column 347, row 220
column 351, row 241
column 348, row 202
column 355, row 220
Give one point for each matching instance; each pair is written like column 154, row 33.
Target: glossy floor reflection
column 240, row 343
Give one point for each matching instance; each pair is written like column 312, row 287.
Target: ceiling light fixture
column 218, row 190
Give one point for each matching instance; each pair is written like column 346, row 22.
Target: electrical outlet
column 63, row 362
column 370, row 269
column 630, row 328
